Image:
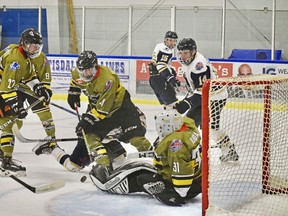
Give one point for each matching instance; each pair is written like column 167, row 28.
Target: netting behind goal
column 255, row 117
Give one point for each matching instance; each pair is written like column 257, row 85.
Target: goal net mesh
column 255, row 117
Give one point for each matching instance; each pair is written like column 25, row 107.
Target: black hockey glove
column 174, row 82
column 22, row 113
column 40, row 90
column 182, row 106
column 74, row 97
column 170, row 197
column 173, row 72
column 13, row 108
column 87, row 120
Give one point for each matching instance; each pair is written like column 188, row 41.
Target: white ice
column 75, row 198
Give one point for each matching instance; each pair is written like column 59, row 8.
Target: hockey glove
column 13, row 108
column 88, row 120
column 170, row 197
column 22, row 113
column 74, row 97
column 40, row 90
column 173, row 72
column 174, row 82
column 182, row 106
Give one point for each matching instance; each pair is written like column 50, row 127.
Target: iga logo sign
column 269, row 70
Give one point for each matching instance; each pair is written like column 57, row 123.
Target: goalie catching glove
column 40, row 90
column 74, row 97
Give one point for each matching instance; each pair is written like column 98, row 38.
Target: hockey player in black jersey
column 163, row 79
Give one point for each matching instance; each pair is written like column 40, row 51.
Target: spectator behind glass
column 244, row 70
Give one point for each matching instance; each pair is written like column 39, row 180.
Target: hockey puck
column 83, row 179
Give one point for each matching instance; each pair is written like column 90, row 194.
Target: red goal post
column 255, row 117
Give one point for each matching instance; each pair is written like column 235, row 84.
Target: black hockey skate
column 230, row 156
column 13, row 168
column 44, row 147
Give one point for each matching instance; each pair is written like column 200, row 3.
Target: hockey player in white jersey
column 163, row 79
column 196, row 69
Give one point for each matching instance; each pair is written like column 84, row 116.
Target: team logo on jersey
column 199, row 65
column 14, row 66
column 175, row 145
column 79, row 81
column 108, row 85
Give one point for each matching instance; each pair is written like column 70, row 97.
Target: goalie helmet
column 186, row 44
column 168, row 121
column 31, row 37
column 87, row 61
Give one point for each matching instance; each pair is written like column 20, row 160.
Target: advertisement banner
column 142, row 77
column 62, row 65
column 134, row 71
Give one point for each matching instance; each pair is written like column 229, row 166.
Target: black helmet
column 86, row 60
column 31, row 36
column 187, row 44
column 28, row 37
column 171, row 34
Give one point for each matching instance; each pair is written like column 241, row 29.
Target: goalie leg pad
column 123, row 179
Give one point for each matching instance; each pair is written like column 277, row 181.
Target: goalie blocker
column 138, row 175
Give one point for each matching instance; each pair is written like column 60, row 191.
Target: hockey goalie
column 175, row 175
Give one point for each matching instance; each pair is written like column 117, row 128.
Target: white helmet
column 168, row 121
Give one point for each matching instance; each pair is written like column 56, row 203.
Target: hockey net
column 255, row 117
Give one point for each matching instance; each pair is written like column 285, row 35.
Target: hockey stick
column 53, row 104
column 36, row 189
column 15, row 117
column 23, row 139
column 83, row 133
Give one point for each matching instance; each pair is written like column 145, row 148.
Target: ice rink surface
column 75, row 198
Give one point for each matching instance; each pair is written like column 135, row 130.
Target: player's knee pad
column 141, row 143
column 49, row 127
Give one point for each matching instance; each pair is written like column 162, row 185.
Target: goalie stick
column 36, row 189
column 23, row 139
column 15, row 117
column 141, row 154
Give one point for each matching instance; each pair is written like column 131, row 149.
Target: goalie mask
column 187, row 49
column 31, row 42
column 170, row 39
column 167, row 122
column 87, row 65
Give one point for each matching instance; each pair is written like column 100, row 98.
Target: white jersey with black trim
column 162, row 56
column 199, row 70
